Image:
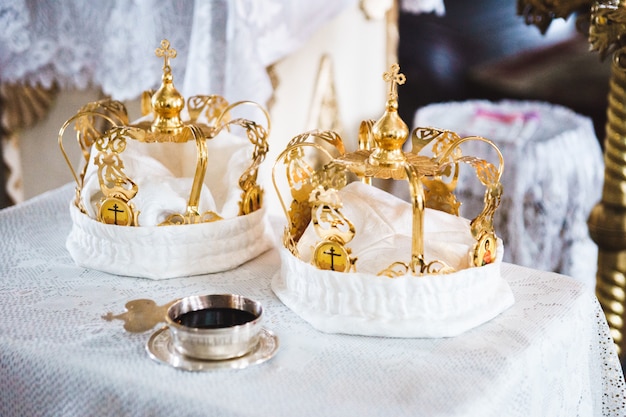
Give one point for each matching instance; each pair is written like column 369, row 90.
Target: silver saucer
column 161, row 349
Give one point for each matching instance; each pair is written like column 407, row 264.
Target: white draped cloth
column 224, row 47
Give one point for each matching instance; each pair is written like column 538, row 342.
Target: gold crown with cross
column 317, row 166
column 104, row 132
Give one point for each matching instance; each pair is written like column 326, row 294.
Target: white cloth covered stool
column 553, row 170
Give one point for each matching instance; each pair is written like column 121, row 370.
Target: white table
column 548, row 355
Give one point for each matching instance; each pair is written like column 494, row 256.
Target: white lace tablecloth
column 548, row 355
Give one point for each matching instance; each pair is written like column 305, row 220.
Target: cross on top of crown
column 394, row 78
column 166, row 53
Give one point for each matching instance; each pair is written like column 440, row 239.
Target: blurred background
column 477, row 49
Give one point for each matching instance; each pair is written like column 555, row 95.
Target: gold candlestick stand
column 606, row 25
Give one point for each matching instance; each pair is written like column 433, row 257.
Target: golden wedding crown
column 317, row 166
column 103, row 132
column 173, row 193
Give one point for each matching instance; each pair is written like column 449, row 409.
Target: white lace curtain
column 224, row 47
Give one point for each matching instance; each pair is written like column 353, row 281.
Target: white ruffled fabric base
column 363, row 303
column 160, row 252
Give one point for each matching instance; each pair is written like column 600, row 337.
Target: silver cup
column 214, row 327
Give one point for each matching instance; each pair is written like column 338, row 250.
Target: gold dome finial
column 167, row 102
column 390, row 132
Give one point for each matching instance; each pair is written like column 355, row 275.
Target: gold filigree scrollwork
column 482, row 226
column 331, row 175
column 213, row 106
column 484, row 221
column 440, row 193
column 290, row 243
column 328, row 136
column 398, row 269
column 423, row 136
column 489, row 175
column 190, row 217
column 116, row 187
column 299, row 174
column 90, row 122
column 86, row 126
column 334, row 229
column 252, row 193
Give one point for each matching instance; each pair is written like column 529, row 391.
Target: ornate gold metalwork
column 141, row 315
column 104, row 126
column 334, row 229
column 116, row 187
column 90, row 123
column 606, row 21
column 167, row 102
column 607, row 222
column 300, row 176
column 315, row 197
column 541, row 12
